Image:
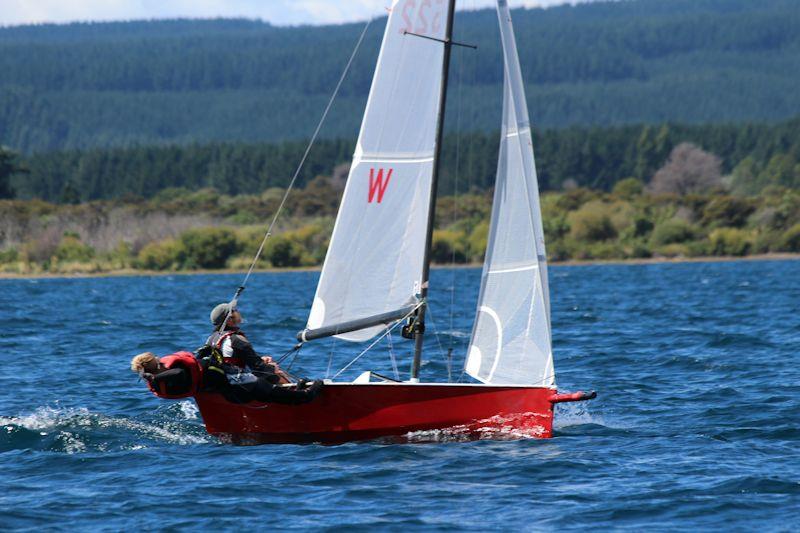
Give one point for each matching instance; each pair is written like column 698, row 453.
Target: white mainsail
column 511, row 341
column 375, row 258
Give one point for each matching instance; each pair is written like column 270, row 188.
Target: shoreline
column 571, row 263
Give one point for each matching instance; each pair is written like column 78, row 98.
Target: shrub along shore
column 208, row 231
column 130, row 272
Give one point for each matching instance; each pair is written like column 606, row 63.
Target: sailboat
column 376, row 272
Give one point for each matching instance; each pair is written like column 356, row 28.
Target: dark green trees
column 93, row 85
column 8, row 168
column 750, row 157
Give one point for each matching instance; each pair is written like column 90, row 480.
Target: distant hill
column 186, row 81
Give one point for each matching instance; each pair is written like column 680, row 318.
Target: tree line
column 751, row 157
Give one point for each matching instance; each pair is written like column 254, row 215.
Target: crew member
column 249, row 376
column 173, row 380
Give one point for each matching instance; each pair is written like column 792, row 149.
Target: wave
column 79, row 430
column 723, row 339
column 756, row 485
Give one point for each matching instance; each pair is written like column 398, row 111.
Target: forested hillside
column 186, row 81
column 753, row 156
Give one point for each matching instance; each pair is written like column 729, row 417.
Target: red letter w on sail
column 377, row 184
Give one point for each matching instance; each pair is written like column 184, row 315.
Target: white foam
column 189, row 410
column 71, row 442
column 47, row 418
column 68, row 423
column 516, row 427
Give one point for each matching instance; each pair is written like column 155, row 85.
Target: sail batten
column 517, row 269
column 374, row 263
column 511, row 338
column 395, row 159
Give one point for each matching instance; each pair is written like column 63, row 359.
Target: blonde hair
column 145, row 362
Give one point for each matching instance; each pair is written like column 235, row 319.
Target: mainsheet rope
column 311, row 142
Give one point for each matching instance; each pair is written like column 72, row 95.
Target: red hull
column 345, row 412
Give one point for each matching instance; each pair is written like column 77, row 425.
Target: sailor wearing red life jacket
column 251, row 378
column 242, row 363
column 174, row 376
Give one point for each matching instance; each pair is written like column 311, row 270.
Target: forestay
column 511, row 340
column 374, row 260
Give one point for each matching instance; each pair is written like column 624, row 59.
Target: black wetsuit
column 263, row 391
column 265, row 388
column 173, row 382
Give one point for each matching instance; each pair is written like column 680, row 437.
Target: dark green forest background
column 185, row 81
column 754, row 156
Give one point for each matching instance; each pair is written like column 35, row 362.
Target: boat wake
column 502, row 428
column 570, row 419
column 79, row 430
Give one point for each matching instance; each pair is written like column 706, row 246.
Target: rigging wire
column 457, row 176
column 376, row 341
column 391, row 356
column 441, row 349
column 311, row 142
column 294, row 358
column 330, row 359
column 295, row 348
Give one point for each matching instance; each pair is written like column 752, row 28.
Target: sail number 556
column 422, row 16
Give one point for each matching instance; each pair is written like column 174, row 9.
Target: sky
column 279, row 12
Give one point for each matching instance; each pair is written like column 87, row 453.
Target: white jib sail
column 511, row 342
column 374, row 260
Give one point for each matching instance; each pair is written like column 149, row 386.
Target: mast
column 419, row 330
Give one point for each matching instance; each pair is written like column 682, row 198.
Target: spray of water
column 78, row 430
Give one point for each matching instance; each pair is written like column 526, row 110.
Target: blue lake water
column 697, row 422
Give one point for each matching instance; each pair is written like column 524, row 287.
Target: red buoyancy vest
column 236, row 361
column 186, row 361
